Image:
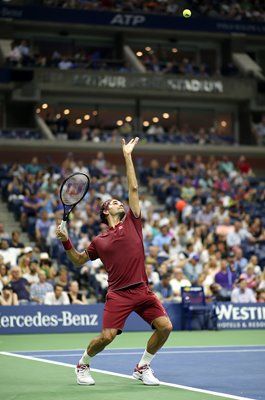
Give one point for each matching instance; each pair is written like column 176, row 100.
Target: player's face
column 116, row 207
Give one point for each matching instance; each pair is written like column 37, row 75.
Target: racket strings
column 74, row 189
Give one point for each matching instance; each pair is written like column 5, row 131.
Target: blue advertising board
column 71, row 318
column 240, row 315
column 130, row 20
column 88, row 318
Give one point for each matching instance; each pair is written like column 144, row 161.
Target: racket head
column 72, row 191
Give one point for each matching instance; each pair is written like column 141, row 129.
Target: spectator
column 63, row 278
column 32, row 276
column 193, row 268
column 152, row 275
column 4, row 276
column 75, row 297
column 8, row 297
column 240, row 260
column 177, row 282
column 14, row 241
column 163, row 237
column 250, row 277
column 9, row 254
column 3, row 234
column 260, row 296
column 242, row 294
column 41, row 230
column 233, row 237
column 20, row 286
column 225, row 278
column 163, row 289
column 57, row 297
column 39, row 290
column 24, row 260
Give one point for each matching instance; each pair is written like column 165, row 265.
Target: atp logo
column 128, row 20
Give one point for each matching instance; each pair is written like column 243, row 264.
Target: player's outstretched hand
column 61, row 234
column 128, row 147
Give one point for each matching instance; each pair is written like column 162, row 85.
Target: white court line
column 165, row 352
column 192, row 389
column 142, row 348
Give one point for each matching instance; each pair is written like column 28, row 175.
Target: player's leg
column 116, row 310
column 96, row 345
column 152, row 311
column 163, row 328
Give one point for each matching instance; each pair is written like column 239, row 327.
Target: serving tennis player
column 121, row 250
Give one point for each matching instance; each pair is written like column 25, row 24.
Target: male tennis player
column 121, row 251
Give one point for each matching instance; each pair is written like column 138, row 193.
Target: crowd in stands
column 24, row 54
column 238, row 10
column 205, row 226
column 63, row 127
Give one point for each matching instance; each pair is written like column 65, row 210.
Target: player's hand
column 128, row 148
column 61, row 234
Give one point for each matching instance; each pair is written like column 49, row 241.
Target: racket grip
column 63, row 225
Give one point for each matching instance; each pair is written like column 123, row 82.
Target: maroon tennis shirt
column 121, row 251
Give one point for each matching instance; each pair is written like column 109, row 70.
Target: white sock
column 146, row 359
column 85, row 359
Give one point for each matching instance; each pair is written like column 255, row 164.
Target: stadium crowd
column 70, row 57
column 64, row 127
column 205, row 227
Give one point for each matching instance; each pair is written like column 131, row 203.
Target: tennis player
column 121, row 250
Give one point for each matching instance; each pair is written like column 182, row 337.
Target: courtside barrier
column 88, row 318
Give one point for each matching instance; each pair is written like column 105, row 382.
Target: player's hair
column 104, row 207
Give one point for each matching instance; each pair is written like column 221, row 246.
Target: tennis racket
column 72, row 191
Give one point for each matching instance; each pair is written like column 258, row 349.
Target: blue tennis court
column 237, row 371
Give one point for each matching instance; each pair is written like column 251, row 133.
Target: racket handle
column 63, row 225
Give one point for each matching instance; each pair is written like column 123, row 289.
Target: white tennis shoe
column 146, row 375
column 83, row 376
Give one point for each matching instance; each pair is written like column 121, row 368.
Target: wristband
column 67, row 245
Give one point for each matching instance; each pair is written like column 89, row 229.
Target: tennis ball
column 186, row 13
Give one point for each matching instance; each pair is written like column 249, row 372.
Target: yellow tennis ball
column 186, row 13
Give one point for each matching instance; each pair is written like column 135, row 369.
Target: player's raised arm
column 131, row 177
column 77, row 258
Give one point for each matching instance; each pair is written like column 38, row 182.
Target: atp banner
column 240, row 316
column 129, row 20
column 71, row 318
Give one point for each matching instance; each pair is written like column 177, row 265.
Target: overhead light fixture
column 166, row 115
column 66, row 111
column 139, row 54
column 155, row 120
column 78, row 121
column 119, row 122
column 146, row 124
column 128, row 118
column 174, row 50
column 44, row 106
column 87, row 117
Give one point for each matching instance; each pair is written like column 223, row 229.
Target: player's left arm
column 131, row 176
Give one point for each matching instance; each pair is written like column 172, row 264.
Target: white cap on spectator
column 164, row 222
column 44, row 256
column 28, row 249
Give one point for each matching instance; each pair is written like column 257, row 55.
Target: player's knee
column 108, row 337
column 163, row 326
column 168, row 327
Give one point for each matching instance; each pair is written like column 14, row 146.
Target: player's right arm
column 77, row 258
